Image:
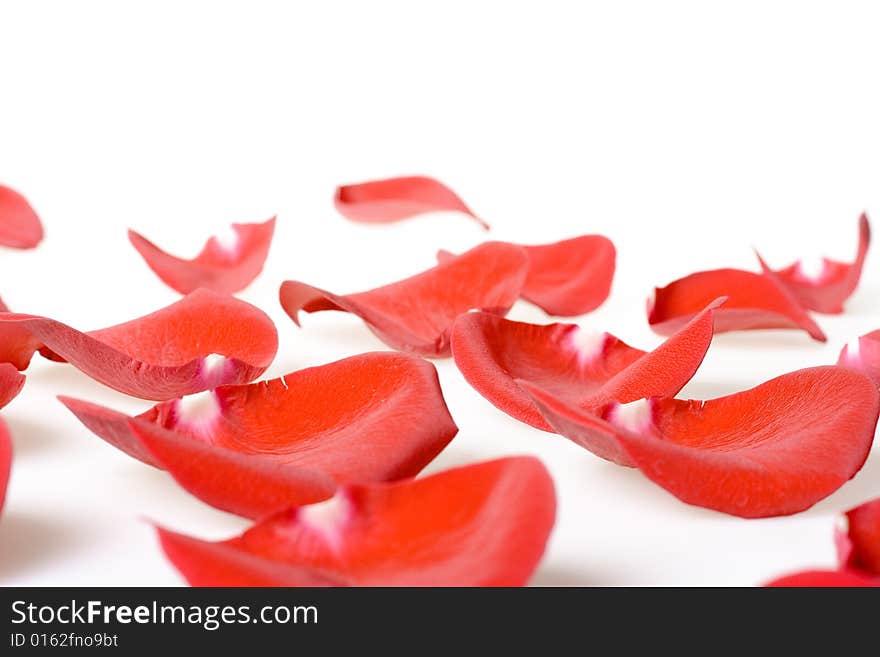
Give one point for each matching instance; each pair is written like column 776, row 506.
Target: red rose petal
column 20, row 226
column 825, row 290
column 202, row 341
column 585, row 369
column 5, row 461
column 480, row 525
column 221, row 267
column 373, row 417
column 863, row 354
column 754, row 301
column 567, row 278
column 773, row 450
column 858, row 550
column 395, row 199
column 416, row 314
column 825, row 578
column 11, row 382
column 862, row 536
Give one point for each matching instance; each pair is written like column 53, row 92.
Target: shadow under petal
column 28, row 542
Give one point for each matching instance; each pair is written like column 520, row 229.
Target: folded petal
column 202, row 341
column 5, row 461
column 824, row 288
column 11, row 382
column 773, row 450
column 416, row 314
column 567, row 278
column 395, row 199
column 20, row 226
column 858, row 547
column 224, row 266
column 479, row 525
column 863, row 354
column 581, row 367
column 373, row 417
column 754, row 301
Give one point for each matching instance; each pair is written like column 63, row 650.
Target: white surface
column 686, row 133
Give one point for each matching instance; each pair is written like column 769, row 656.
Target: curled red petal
column 20, row 226
column 826, row 289
column 567, row 278
column 863, row 354
column 863, row 539
column 11, row 382
column 775, row 449
column 416, row 314
column 223, row 267
column 396, row 199
column 5, row 461
column 202, row 341
column 825, row 579
column 580, row 367
column 754, row 301
column 480, row 525
column 373, row 417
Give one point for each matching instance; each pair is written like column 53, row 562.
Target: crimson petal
column 221, row 267
column 826, row 290
column 775, row 449
column 858, row 547
column 5, row 461
column 396, row 199
column 480, row 525
column 567, row 278
column 754, row 301
column 20, row 226
column 416, row 314
column 582, row 368
column 863, row 354
column 373, row 417
column 11, row 382
column 202, row 341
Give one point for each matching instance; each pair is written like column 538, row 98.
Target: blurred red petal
column 416, row 314
column 567, row 278
column 396, row 199
column 825, row 578
column 5, row 461
column 863, row 355
column 754, row 301
column 775, row 449
column 863, row 537
column 373, row 417
column 479, row 525
column 20, row 226
column 583, row 368
column 202, row 341
column 223, row 267
column 825, row 289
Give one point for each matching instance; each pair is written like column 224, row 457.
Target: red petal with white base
column 416, row 314
column 5, row 461
column 858, row 547
column 826, row 287
column 863, row 354
column 396, row 199
column 368, row 418
column 775, row 449
column 578, row 366
column 754, row 301
column 202, row 341
column 479, row 525
column 567, row 278
column 20, row 226
column 224, row 266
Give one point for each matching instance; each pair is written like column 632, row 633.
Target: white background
column 685, row 132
